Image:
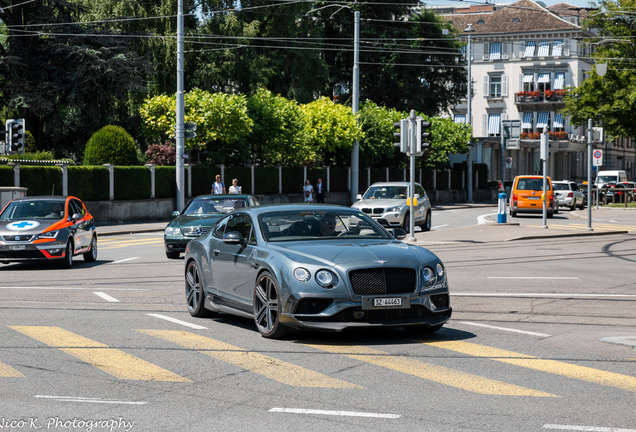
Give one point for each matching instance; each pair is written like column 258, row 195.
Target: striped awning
column 542, row 120
column 544, row 49
column 494, row 122
column 559, row 81
column 543, row 78
column 558, row 121
column 527, row 120
column 528, row 78
column 460, row 118
column 557, row 48
column 530, row 45
column 495, row 51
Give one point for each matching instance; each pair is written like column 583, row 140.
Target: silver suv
column 568, row 194
column 386, row 202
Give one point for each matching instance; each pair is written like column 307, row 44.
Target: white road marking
column 106, row 297
column 89, row 400
column 621, row 340
column 177, row 321
column 505, row 329
column 39, row 288
column 532, row 277
column 481, row 220
column 124, row 260
column 439, row 226
column 334, row 413
column 539, row 295
column 586, row 428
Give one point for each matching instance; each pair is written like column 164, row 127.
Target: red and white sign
column 597, row 158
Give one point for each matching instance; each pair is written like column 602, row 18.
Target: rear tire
column 427, row 222
column 195, row 293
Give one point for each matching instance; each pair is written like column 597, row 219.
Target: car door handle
column 216, row 251
column 254, row 265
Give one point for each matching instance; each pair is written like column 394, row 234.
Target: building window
column 494, row 124
column 544, row 49
column 558, row 123
column 557, row 48
column 528, row 82
column 495, row 51
column 543, row 81
column 495, row 86
column 460, row 118
column 559, row 81
column 530, row 46
column 543, row 119
column 526, row 125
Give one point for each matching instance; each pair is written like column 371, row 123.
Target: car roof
column 45, row 198
column 394, row 183
column 268, row 208
column 222, row 196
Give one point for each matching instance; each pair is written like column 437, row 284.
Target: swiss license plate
column 534, row 198
column 387, row 302
column 17, row 247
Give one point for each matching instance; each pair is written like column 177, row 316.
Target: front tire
column 91, row 255
column 267, row 307
column 67, row 261
column 195, row 295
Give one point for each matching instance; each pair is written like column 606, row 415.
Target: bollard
column 501, row 217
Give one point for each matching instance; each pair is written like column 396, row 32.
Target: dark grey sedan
column 307, row 266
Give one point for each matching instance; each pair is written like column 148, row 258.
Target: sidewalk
column 488, row 232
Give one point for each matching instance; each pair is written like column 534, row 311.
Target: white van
column 605, row 177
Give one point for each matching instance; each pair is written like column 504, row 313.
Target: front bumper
column 14, row 251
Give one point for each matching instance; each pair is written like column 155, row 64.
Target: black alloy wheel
column 267, row 307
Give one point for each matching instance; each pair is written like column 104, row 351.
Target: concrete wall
column 125, row 211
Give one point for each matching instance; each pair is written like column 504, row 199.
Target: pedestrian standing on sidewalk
column 308, row 192
column 218, row 187
column 320, row 191
column 235, row 188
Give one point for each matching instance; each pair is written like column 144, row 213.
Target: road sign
column 513, row 144
column 508, row 162
column 511, row 129
column 597, row 158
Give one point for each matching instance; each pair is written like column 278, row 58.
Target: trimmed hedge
column 41, row 180
column 89, row 183
column 165, row 181
column 6, row 176
column 132, row 182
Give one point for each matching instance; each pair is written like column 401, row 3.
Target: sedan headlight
column 394, row 209
column 172, row 231
column 440, row 270
column 48, row 234
column 326, row 278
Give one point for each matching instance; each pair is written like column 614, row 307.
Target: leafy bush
column 111, row 145
column 162, row 155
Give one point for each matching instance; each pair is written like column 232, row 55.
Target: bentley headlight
column 49, row 234
column 429, row 276
column 302, row 274
column 326, row 278
column 440, row 270
column 172, row 231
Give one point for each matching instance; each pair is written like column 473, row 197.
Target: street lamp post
column 469, row 114
column 355, row 151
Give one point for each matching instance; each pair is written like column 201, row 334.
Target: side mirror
column 417, row 195
column 176, row 213
column 359, row 197
column 399, row 233
column 233, row 237
column 77, row 216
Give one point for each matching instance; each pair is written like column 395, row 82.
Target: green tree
column 222, row 124
column 377, row 147
column 330, row 130
column 609, row 100
column 63, row 77
column 277, row 134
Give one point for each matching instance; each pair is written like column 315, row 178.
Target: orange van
column 526, row 196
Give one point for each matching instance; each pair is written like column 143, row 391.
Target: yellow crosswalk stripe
column 583, row 373
column 113, row 361
column 8, row 371
column 269, row 367
column 439, row 374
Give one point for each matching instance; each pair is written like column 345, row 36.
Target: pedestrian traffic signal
column 190, row 129
column 15, row 134
column 422, row 135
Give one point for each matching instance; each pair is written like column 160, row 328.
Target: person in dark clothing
column 320, row 191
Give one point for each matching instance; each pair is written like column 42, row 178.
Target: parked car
column 526, row 194
column 568, row 194
column 197, row 218
column 309, row 266
column 386, row 202
column 617, row 191
column 48, row 228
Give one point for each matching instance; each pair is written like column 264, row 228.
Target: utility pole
column 179, row 130
column 355, row 151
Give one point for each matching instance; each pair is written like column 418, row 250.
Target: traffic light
column 402, row 134
column 190, row 129
column 15, row 136
column 422, row 135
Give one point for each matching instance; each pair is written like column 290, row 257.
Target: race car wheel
column 91, row 255
column 67, row 261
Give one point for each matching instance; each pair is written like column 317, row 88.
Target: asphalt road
column 542, row 338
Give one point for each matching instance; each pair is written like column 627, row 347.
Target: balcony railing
column 559, row 135
column 541, row 96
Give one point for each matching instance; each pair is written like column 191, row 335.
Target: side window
column 219, row 228
column 242, row 223
column 77, row 207
column 420, row 191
